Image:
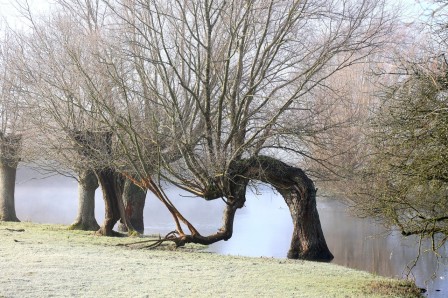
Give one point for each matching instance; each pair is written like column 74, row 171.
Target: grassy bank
column 49, row 260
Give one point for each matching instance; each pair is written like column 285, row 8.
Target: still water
column 262, row 229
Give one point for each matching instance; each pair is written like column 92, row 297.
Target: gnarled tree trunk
column 96, row 148
column 308, row 241
column 112, row 184
column 235, row 201
column 87, row 185
column 10, row 147
column 134, row 203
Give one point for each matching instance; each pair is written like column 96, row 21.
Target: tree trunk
column 7, row 187
column 308, row 241
column 87, row 184
column 235, row 201
column 134, row 203
column 95, row 147
column 10, row 147
column 112, row 184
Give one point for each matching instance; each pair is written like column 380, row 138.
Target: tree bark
column 134, row 203
column 7, row 188
column 87, row 185
column 10, row 147
column 308, row 241
column 299, row 193
column 97, row 147
column 112, row 184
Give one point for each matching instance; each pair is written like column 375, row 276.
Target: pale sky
column 9, row 12
column 412, row 8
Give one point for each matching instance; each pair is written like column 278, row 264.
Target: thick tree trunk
column 308, row 241
column 10, row 147
column 112, row 184
column 96, row 146
column 7, row 187
column 134, row 202
column 87, row 185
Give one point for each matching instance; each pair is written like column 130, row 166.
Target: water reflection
column 262, row 229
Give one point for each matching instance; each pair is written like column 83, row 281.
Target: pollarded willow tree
column 67, row 138
column 51, row 93
column 70, row 131
column 212, row 95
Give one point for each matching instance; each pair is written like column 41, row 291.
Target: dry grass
column 393, row 289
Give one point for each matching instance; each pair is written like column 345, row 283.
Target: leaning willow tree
column 211, row 95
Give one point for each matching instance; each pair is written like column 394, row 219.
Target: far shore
column 51, row 261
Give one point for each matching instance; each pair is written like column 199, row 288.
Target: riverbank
column 49, row 260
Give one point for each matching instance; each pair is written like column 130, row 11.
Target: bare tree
column 56, row 52
column 205, row 95
column 53, row 94
column 208, row 90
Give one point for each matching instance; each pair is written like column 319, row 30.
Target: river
column 262, row 229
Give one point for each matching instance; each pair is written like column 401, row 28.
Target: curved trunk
column 85, row 220
column 308, row 241
column 112, row 184
column 134, row 202
column 9, row 149
column 235, row 201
